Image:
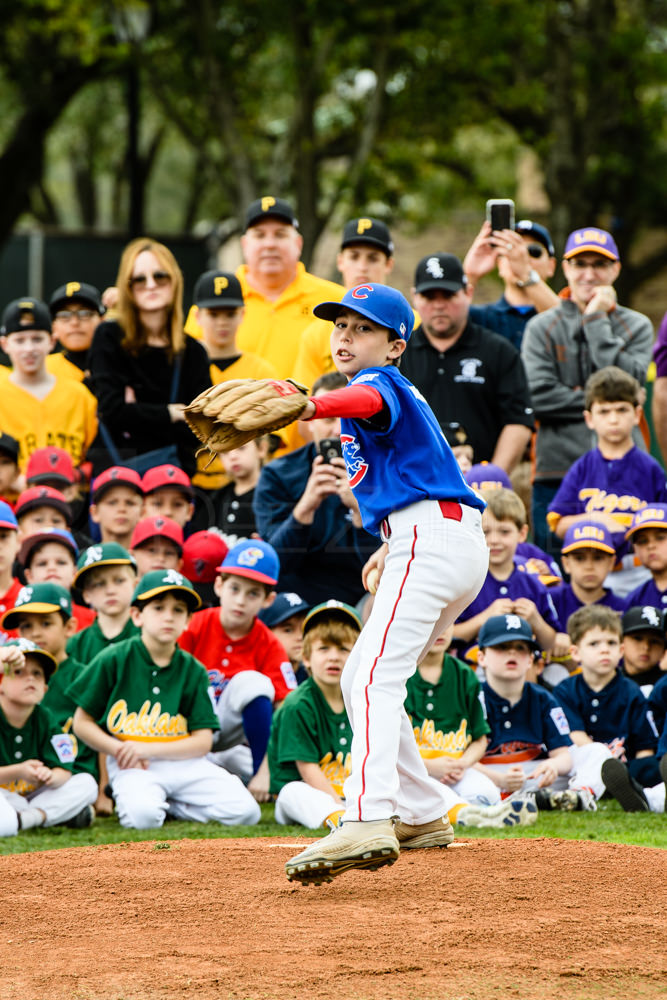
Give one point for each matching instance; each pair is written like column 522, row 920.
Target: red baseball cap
column 43, row 496
column 202, row 554
column 116, row 475
column 157, row 527
column 167, row 477
column 48, row 465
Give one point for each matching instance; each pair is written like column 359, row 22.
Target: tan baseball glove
column 235, row 412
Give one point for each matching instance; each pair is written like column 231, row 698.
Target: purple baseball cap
column 487, row 476
column 653, row 516
column 383, row 305
column 591, row 240
column 588, row 535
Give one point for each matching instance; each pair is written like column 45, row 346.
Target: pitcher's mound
column 217, row 920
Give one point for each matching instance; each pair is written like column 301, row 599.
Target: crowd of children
column 149, row 667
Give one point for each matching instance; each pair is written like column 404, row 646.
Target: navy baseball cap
column 372, row 232
column 76, row 291
column 254, row 559
column 29, row 648
column 163, row 581
column 591, row 240
column 269, row 207
column 383, row 305
column 442, row 271
column 284, row 606
column 644, row 619
column 539, row 233
column 588, row 535
column 332, row 609
column 218, row 290
column 59, row 535
column 26, row 314
column 505, row 628
column 9, row 446
column 487, row 476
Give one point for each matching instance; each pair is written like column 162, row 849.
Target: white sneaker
column 367, row 845
column 511, row 812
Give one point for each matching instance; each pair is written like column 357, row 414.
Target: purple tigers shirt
column 518, row 584
column 566, row 602
column 616, row 486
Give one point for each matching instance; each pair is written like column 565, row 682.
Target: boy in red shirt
column 248, row 667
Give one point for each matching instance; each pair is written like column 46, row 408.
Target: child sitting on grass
column 37, row 787
column 156, row 718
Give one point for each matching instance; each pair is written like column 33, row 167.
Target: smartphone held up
column 500, row 213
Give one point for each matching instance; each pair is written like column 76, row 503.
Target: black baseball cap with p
column 370, row 232
column 440, row 272
column 218, row 290
column 269, row 207
column 25, row 314
column 76, row 291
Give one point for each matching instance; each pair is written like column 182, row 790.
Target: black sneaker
column 82, row 819
column 620, row 783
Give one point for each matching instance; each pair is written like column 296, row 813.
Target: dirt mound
column 218, row 920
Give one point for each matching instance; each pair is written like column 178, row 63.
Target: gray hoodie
column 561, row 348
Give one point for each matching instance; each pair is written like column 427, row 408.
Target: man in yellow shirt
column 366, row 254
column 279, row 293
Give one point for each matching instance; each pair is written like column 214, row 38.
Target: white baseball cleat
column 366, row 845
column 438, row 833
column 517, row 811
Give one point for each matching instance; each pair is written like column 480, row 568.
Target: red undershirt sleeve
column 361, row 401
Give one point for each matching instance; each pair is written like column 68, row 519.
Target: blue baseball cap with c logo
column 383, row 305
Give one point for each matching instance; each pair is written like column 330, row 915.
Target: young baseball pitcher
column 431, row 564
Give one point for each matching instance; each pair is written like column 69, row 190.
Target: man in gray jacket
column 563, row 346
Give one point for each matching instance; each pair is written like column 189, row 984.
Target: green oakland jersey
column 39, row 739
column 61, row 706
column 447, row 715
column 306, row 728
column 90, row 641
column 132, row 698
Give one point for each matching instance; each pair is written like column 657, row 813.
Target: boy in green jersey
column 37, row 787
column 144, row 702
column 106, row 575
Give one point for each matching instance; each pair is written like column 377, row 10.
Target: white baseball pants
column 435, row 567
column 299, row 802
column 59, row 804
column 193, row 789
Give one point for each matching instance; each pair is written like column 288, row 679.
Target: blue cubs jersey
column 647, row 594
column 525, row 731
column 619, row 710
column 518, row 584
column 407, row 461
column 566, row 602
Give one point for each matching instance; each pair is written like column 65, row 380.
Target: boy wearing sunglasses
column 526, row 260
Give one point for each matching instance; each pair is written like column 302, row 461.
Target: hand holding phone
column 500, row 213
column 330, row 448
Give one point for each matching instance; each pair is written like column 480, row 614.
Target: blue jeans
column 544, row 490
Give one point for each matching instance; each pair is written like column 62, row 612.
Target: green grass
column 609, row 824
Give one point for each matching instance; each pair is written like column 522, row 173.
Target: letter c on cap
column 356, row 292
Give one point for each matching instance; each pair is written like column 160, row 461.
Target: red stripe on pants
column 370, row 679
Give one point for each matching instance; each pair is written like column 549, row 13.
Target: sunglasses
column 140, row 280
column 535, row 250
column 67, row 314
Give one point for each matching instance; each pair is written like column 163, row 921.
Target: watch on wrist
column 532, row 279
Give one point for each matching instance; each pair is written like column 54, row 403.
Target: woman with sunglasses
column 144, row 369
